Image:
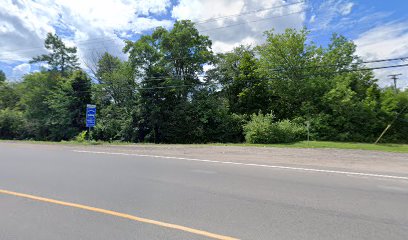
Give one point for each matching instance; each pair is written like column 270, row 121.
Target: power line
column 109, row 39
column 279, row 69
column 248, row 12
column 352, row 63
column 207, row 84
column 258, row 20
column 335, row 72
column 376, row 68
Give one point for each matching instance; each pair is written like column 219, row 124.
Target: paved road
column 231, row 200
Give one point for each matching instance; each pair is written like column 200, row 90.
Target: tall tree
column 36, row 88
column 237, row 72
column 168, row 64
column 67, row 104
column 116, row 97
column 2, row 77
column 61, row 58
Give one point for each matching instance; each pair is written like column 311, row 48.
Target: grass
column 384, row 147
column 388, row 147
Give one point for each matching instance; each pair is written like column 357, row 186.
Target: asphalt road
column 240, row 201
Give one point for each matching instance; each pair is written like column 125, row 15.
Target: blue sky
column 379, row 28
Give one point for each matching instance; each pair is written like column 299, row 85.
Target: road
column 199, row 198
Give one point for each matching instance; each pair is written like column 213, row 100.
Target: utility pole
column 395, row 78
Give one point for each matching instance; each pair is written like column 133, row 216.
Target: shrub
column 262, row 129
column 81, row 137
column 12, row 124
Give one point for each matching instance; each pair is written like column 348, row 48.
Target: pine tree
column 61, row 58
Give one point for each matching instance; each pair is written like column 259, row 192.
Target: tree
column 67, row 106
column 394, row 111
column 12, row 124
column 9, row 95
column 2, row 77
column 237, row 72
column 36, row 89
column 106, row 65
column 116, row 97
column 61, row 58
column 160, row 95
column 167, row 64
column 81, row 96
column 285, row 61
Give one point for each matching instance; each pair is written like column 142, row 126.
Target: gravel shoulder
column 338, row 159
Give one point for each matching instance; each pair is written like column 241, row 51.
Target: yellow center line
column 122, row 215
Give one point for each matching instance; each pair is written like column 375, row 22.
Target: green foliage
column 81, row 137
column 61, row 58
column 116, row 98
column 67, row 104
column 159, row 95
column 205, row 119
column 2, row 77
column 54, row 106
column 9, row 95
column 12, row 124
column 167, row 64
column 262, row 129
column 36, row 88
column 245, row 90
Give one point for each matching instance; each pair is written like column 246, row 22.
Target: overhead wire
column 167, row 77
column 103, row 39
column 247, row 13
column 269, row 79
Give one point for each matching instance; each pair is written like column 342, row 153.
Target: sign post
column 308, row 131
column 90, row 117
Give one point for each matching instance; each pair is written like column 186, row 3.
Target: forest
column 174, row 89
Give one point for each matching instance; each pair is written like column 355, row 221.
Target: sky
column 379, row 28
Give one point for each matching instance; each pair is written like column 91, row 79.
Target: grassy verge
column 400, row 148
column 67, row 142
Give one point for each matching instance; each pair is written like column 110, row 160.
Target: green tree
column 9, row 95
column 286, row 60
column 116, row 97
column 237, row 72
column 36, row 89
column 106, row 65
column 168, row 65
column 61, row 58
column 67, row 106
column 394, row 111
column 2, row 77
column 12, row 124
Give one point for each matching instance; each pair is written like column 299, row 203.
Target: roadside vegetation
column 384, row 147
column 264, row 94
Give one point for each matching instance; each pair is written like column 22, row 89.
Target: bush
column 262, row 129
column 12, row 124
column 81, row 137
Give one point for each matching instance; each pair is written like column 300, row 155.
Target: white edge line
column 250, row 164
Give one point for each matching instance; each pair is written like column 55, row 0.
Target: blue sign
column 90, row 115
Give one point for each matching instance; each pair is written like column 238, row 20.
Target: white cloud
column 329, row 11
column 201, row 10
column 219, row 46
column 24, row 24
column 96, row 26
column 346, row 8
column 386, row 41
column 312, row 18
column 248, row 28
column 20, row 70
